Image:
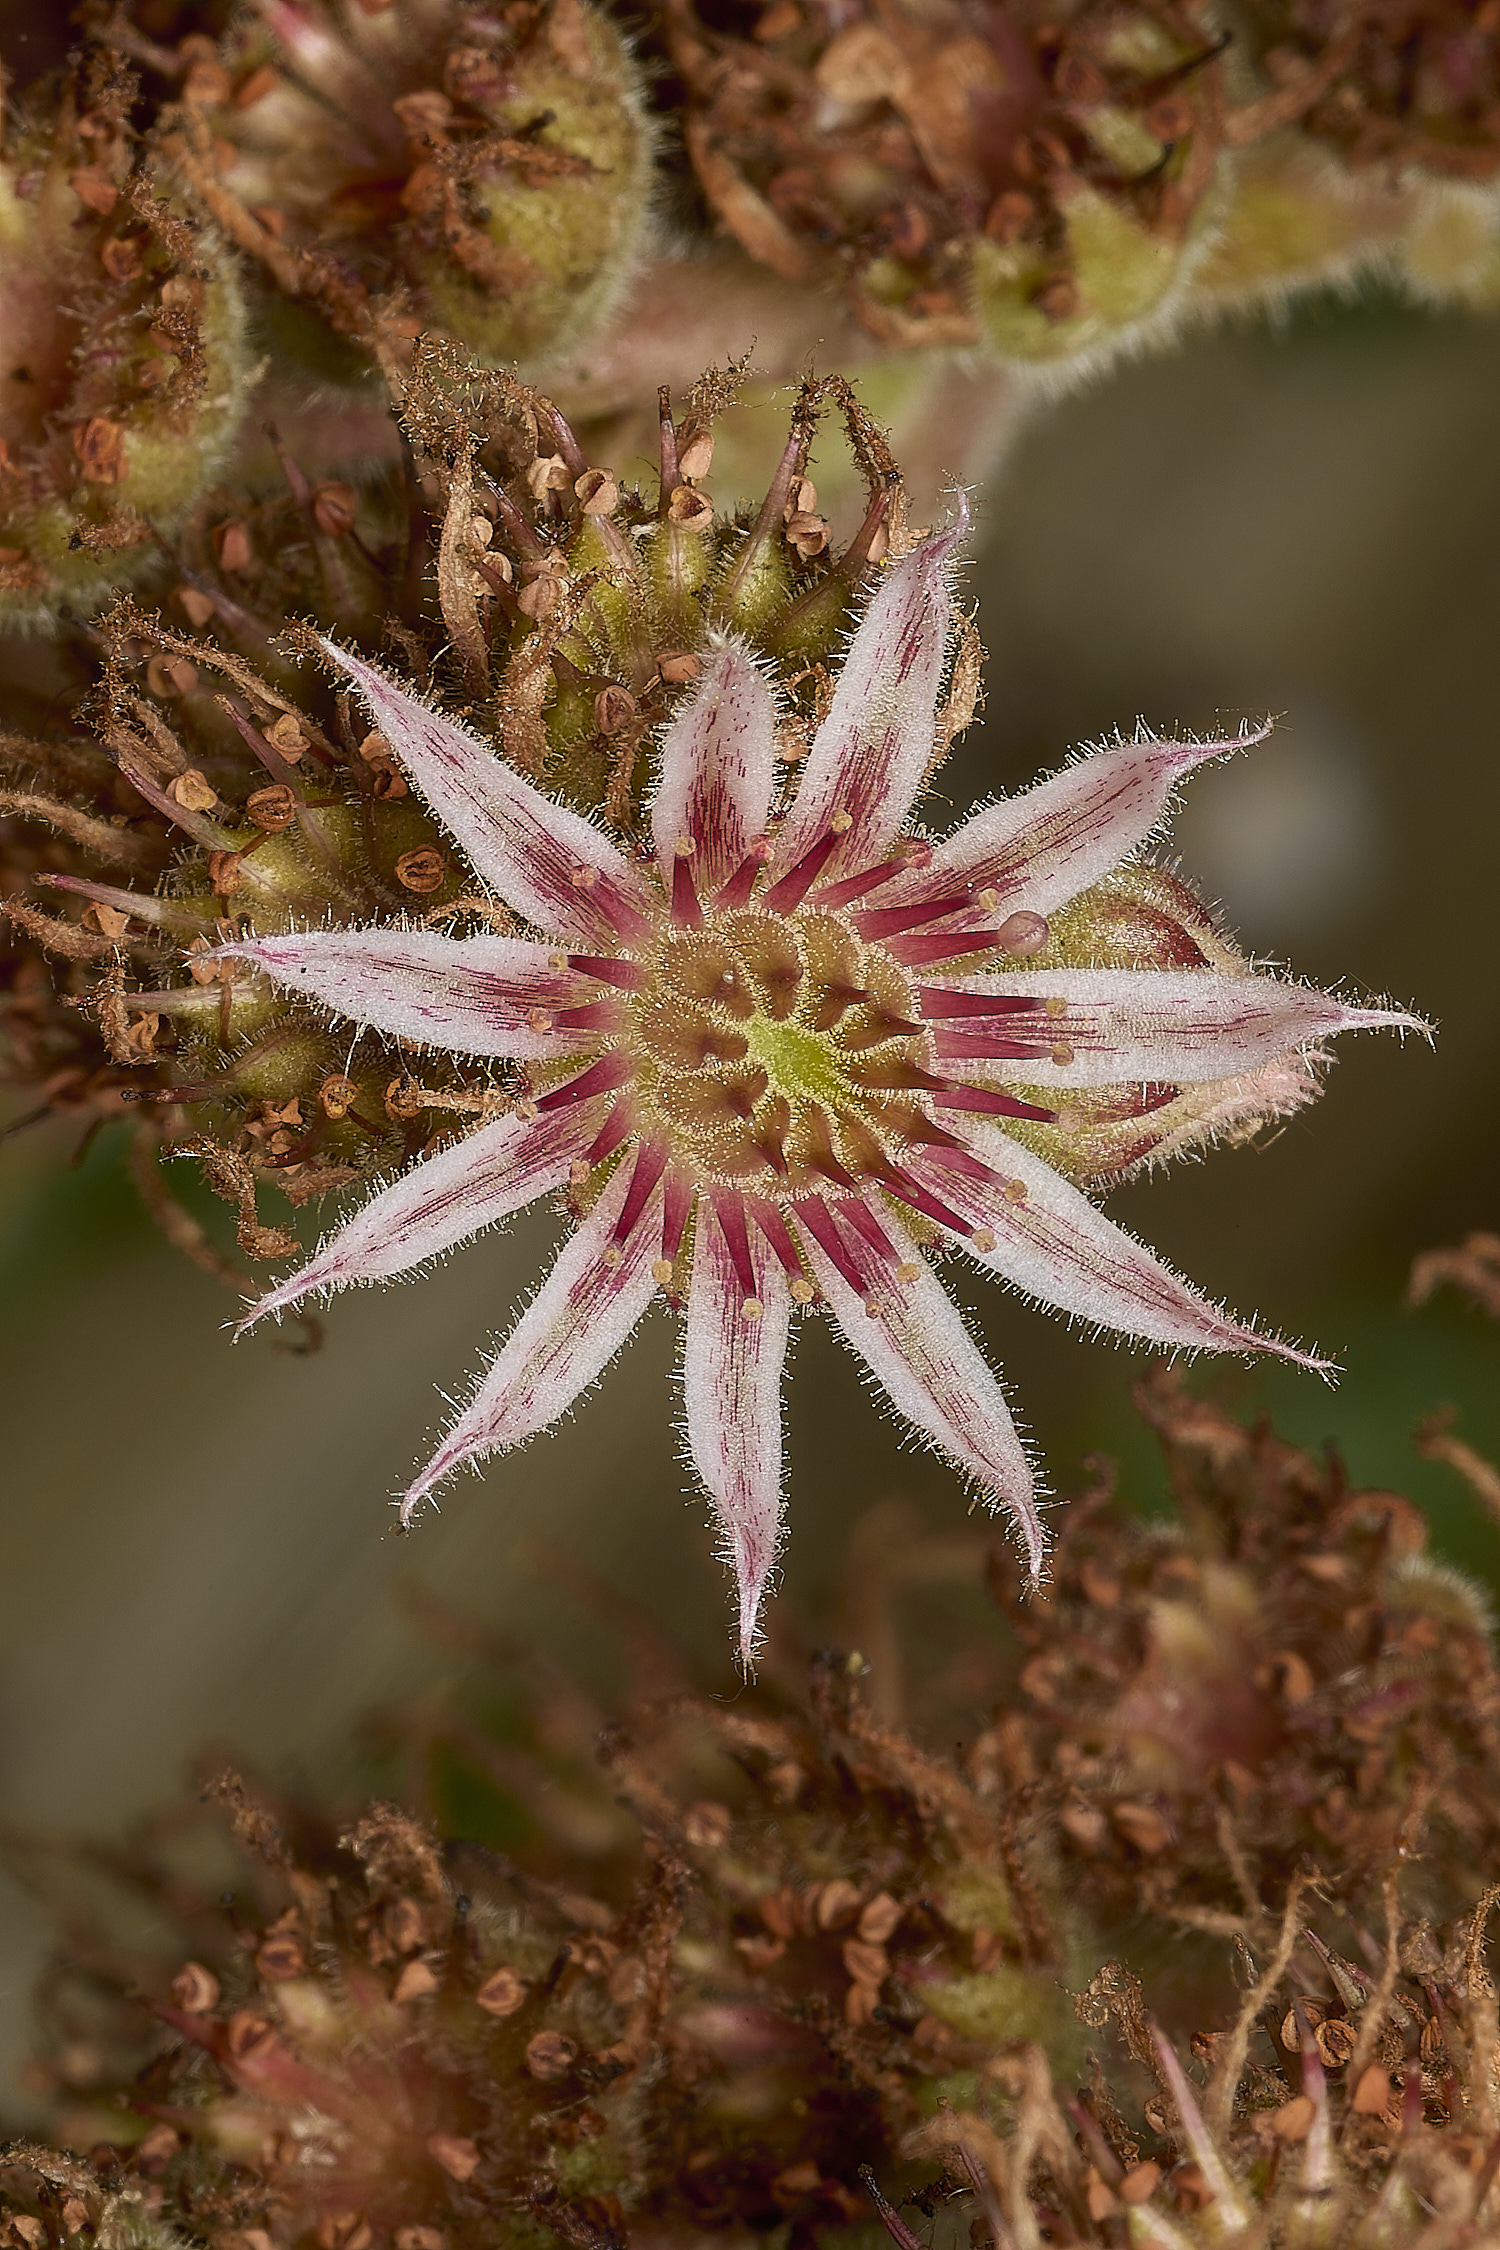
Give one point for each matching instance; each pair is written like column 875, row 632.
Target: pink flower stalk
column 772, row 1061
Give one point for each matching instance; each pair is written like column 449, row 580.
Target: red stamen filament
column 856, row 886
column 687, row 913
column 741, row 885
column 991, row 1105
column 890, row 921
column 605, row 968
column 677, row 1203
column 914, row 951
column 600, row 1078
column 612, row 904
column 911, row 1192
column 954, row 1046
column 857, row 1214
column 612, row 1132
column 650, row 1163
column 958, row 1158
column 819, row 1222
column 595, row 1015
column 776, row 1231
column 729, row 1210
column 936, row 1003
column 788, row 894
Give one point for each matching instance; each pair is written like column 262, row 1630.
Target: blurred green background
column 195, row 1545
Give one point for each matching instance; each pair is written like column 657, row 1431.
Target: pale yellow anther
column 983, row 1241
column 557, row 960
column 1062, row 1054
column 872, row 1309
column 1015, row 1191
column 578, row 1173
column 988, row 898
column 612, row 1256
column 539, row 1019
column 841, row 823
column 1055, row 1005
column 661, row 1272
column 751, row 1309
column 909, row 1270
column 803, row 1292
column 584, row 878
column 527, row 1109
column 685, row 847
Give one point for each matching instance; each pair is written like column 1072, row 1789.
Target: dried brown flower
column 1265, row 1732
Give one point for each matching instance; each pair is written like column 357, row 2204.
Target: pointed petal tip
column 1197, row 751
column 753, row 1565
column 1022, row 1511
column 274, row 1302
column 752, row 1637
column 411, row 1503
column 1389, row 1019
column 1275, row 1347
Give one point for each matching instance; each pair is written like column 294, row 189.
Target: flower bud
column 125, row 366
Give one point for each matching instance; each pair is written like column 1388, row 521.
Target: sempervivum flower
column 792, row 1052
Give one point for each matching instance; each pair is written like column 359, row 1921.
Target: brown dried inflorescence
column 124, row 376
column 920, row 155
column 1392, row 83
column 1189, row 1943
column 1285, row 1677
column 484, row 168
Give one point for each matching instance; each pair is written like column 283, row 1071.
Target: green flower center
column 775, row 1049
column 805, row 1066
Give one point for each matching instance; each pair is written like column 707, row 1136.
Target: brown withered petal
column 879, row 1918
column 838, row 1901
column 405, row 1924
column 272, row 809
column 334, row 507
column 281, row 1956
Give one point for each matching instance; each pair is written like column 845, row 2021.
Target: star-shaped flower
column 776, row 1061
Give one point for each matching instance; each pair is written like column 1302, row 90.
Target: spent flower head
column 126, row 369
column 784, row 1048
column 482, row 169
